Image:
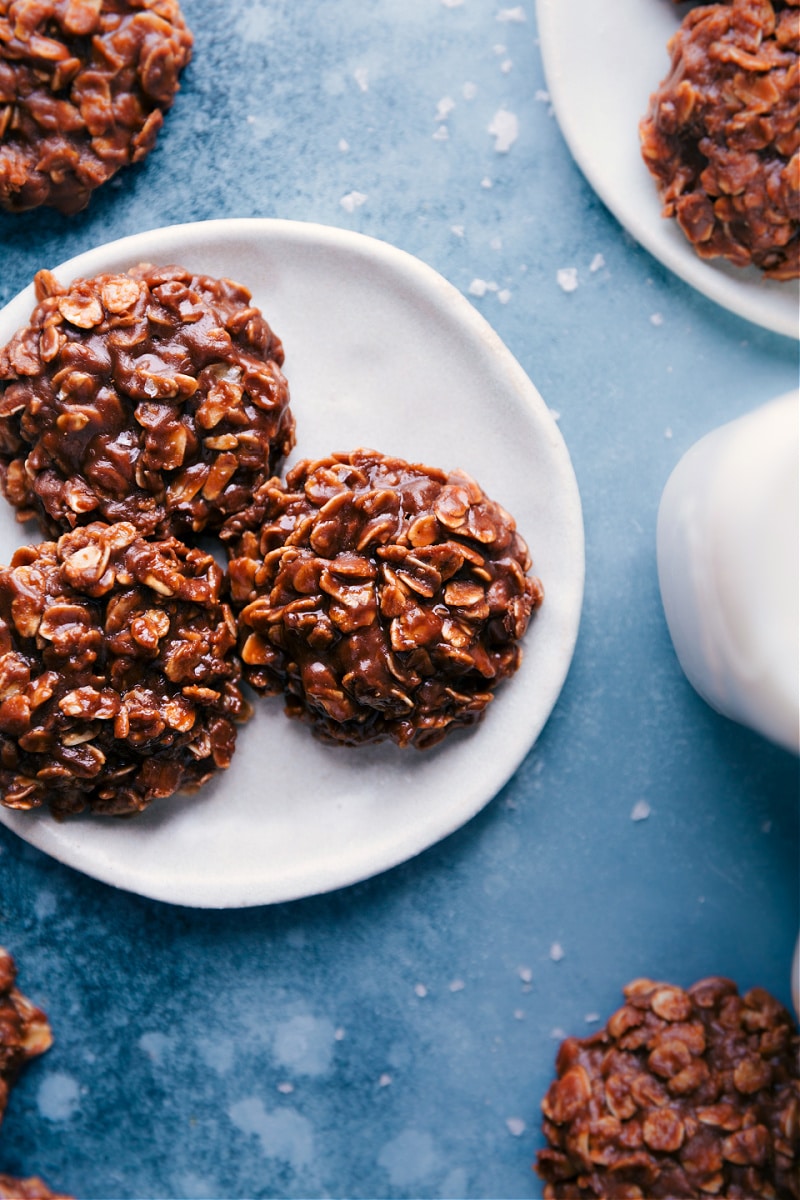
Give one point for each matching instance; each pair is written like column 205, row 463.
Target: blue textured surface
column 395, row 1039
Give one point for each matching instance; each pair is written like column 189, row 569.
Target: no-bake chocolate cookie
column 24, row 1034
column 24, row 1031
column 385, row 599
column 83, row 88
column 28, row 1189
column 690, row 1093
column 722, row 136
column 118, row 676
column 154, row 397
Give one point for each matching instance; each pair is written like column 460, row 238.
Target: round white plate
column 603, row 59
column 381, row 352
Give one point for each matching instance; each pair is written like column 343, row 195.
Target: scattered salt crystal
column 506, row 66
column 478, row 287
column 557, row 1034
column 338, row 1034
column 556, row 952
column 567, row 278
column 344, row 145
column 504, row 295
column 542, row 96
column 457, row 985
column 656, row 319
column 441, row 134
column 286, row 1088
column 519, row 1014
column 525, row 974
column 469, row 91
column 668, row 432
column 640, row 811
column 499, row 49
column 352, row 201
column 504, row 128
column 515, row 1125
column 597, row 263
column 361, row 76
column 592, row 1018
column 458, row 230
column 516, row 15
column 444, row 108
column 452, row 3
column 384, row 1080
column 420, row 990
column 486, row 182
column 496, row 243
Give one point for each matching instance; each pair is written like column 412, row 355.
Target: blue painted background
column 395, row 1039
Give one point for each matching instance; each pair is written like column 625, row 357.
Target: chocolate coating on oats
column 118, row 676
column 83, row 88
column 24, row 1034
column 385, row 599
column 24, row 1031
column 722, row 134
column 28, row 1189
column 684, row 1094
column 154, row 397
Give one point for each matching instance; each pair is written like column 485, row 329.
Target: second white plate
column 602, row 62
column 382, row 352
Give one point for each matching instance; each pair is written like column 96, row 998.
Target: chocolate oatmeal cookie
column 24, row 1034
column 84, row 85
column 690, row 1094
column 385, row 599
column 118, row 677
column 154, row 397
column 722, row 137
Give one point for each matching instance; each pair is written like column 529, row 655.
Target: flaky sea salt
column 286, row 1088
column 640, row 811
column 542, row 96
column 479, row 287
column 506, row 66
column 441, row 134
column 597, row 263
column 567, row 278
column 504, row 295
column 384, row 1080
column 352, row 201
column 444, row 108
column 458, row 230
column 656, row 319
column 486, row 182
column 556, row 952
column 525, row 974
column 469, row 91
column 420, row 990
column 343, row 145
column 515, row 1126
column 516, row 15
column 504, row 128
column 457, row 985
column 361, row 76
column 452, row 3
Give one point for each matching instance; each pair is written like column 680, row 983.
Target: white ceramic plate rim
column 220, row 849
column 602, row 62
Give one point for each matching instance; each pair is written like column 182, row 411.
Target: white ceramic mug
column 727, row 544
